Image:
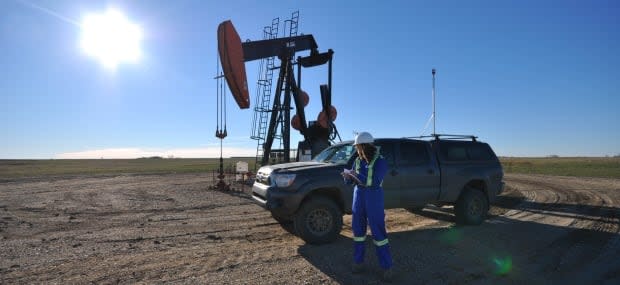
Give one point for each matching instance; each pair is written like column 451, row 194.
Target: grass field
column 565, row 166
column 55, row 167
column 579, row 166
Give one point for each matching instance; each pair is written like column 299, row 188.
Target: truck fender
column 323, row 187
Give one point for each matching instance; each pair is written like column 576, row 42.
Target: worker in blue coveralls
column 367, row 174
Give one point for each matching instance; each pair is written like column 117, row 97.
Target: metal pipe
column 298, row 72
column 286, row 113
column 329, row 75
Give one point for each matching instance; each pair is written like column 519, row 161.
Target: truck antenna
column 434, row 115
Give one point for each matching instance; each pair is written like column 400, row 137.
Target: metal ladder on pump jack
column 264, row 87
column 263, row 93
column 293, row 28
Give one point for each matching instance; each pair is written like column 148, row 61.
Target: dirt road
column 171, row 229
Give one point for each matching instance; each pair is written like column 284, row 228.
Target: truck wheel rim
column 475, row 207
column 319, row 221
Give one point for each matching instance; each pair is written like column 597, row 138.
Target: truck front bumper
column 279, row 202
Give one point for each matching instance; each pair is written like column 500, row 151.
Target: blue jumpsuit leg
column 376, row 220
column 359, row 224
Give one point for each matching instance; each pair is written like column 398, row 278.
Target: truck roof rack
column 446, row 137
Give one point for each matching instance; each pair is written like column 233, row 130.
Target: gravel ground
column 151, row 229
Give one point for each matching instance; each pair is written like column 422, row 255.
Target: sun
column 111, row 38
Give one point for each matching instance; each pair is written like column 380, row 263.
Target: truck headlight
column 283, row 180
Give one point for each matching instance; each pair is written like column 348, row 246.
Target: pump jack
column 233, row 55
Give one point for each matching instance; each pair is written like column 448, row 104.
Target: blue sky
column 532, row 78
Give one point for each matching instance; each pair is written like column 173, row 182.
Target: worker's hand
column 347, row 173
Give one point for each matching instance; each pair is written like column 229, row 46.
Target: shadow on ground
column 501, row 250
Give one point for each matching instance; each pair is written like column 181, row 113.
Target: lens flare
column 451, row 236
column 503, row 266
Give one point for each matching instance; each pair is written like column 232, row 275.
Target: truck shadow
column 504, row 203
column 446, row 213
column 501, row 250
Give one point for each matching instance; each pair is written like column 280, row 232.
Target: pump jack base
column 222, row 186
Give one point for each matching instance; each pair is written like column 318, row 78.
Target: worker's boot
column 388, row 275
column 357, row 268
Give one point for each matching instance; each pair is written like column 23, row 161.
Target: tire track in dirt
column 170, row 228
column 583, row 211
column 583, row 202
column 219, row 255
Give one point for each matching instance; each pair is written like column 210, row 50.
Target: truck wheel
column 471, row 208
column 318, row 221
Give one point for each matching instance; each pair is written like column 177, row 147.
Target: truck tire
column 318, row 221
column 471, row 208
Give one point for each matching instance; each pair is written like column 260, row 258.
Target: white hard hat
column 363, row 137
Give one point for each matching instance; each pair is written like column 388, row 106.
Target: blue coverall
column 368, row 209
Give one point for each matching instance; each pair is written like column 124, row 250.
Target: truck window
column 412, row 153
column 343, row 154
column 386, row 149
column 454, row 151
column 479, row 152
column 466, row 151
column 336, row 154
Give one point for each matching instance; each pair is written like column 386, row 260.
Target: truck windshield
column 336, row 154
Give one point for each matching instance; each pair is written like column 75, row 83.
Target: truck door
column 419, row 174
column 391, row 181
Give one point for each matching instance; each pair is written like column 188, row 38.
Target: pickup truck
column 313, row 196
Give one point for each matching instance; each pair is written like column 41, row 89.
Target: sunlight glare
column 111, row 38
